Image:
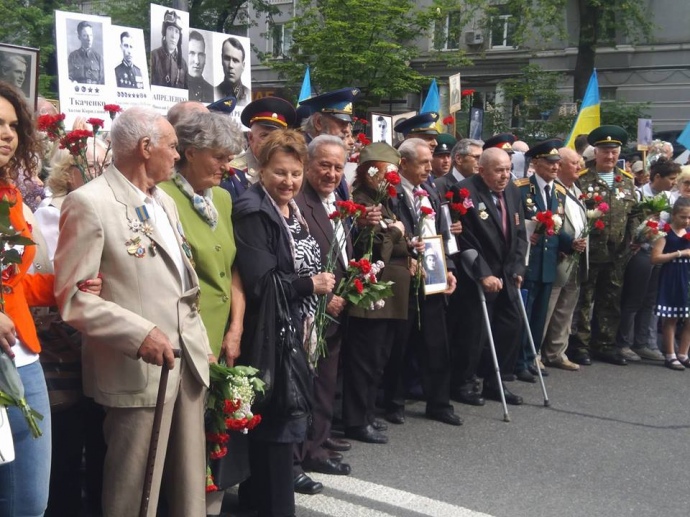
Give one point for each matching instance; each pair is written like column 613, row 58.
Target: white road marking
column 377, row 493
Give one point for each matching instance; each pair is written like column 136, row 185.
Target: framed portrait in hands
column 434, row 264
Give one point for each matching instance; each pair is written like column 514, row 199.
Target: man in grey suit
column 566, row 287
column 123, row 226
column 464, row 159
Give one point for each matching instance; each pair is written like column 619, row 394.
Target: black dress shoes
column 493, row 393
column 469, row 397
column 533, row 370
column 366, row 434
column 379, row 424
column 612, row 356
column 306, row 485
column 445, row 415
column 396, row 416
column 326, row 466
column 525, row 376
column 580, row 357
column 335, row 444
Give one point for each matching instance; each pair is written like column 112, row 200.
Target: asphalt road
column 614, row 442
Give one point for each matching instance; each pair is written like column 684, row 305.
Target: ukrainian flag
column 305, row 92
column 589, row 116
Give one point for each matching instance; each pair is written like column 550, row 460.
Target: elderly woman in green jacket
column 206, row 144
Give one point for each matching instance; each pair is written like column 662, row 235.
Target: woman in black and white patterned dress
column 273, row 241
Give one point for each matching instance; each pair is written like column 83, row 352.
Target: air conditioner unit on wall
column 473, row 38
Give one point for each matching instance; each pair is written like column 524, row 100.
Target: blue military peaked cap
column 422, row 124
column 225, row 105
column 548, row 149
column 337, row 103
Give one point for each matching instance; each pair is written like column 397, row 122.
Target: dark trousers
column 537, row 305
column 77, row 433
column 472, row 339
column 272, row 481
column 430, row 345
column 638, row 299
column 325, row 383
column 368, row 347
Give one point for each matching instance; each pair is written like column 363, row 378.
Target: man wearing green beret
column 609, row 249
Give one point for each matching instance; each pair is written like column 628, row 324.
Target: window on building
column 447, row 32
column 281, row 39
column 502, row 28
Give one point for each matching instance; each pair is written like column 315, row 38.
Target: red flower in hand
column 112, row 109
column 358, row 285
column 459, row 208
column 464, row 193
column 599, row 225
column 391, row 191
column 392, row 177
column 597, row 198
column 362, row 138
column 667, row 228
column 466, row 93
column 256, row 420
column 617, row 178
column 448, row 120
column 97, row 123
column 686, row 236
column 427, row 211
column 449, row 195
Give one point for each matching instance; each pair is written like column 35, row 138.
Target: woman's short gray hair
column 204, row 130
column 130, row 126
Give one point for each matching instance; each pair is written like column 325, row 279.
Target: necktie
column 338, row 230
column 547, row 195
column 417, row 200
column 502, row 213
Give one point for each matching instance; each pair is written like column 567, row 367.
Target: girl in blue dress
column 673, row 252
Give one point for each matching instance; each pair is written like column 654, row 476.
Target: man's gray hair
column 463, row 147
column 207, row 130
column 408, row 149
column 323, row 140
column 327, row 122
column 130, row 126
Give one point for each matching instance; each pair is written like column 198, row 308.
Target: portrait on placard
column 401, row 117
column 128, row 66
column 455, row 93
column 476, row 123
column 234, row 65
column 644, row 133
column 434, row 264
column 19, row 67
column 85, row 44
column 169, row 29
column 381, row 128
column 200, row 59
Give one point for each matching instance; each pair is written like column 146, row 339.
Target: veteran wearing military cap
column 540, row 193
column 127, row 74
column 609, row 249
column 440, row 161
column 502, row 141
column 168, row 67
column 262, row 117
column 422, row 126
column 85, row 65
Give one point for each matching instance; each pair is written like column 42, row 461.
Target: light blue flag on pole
column 432, row 101
column 684, row 137
column 305, row 92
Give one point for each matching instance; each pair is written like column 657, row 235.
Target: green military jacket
column 611, row 243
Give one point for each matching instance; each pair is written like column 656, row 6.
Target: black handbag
column 288, row 392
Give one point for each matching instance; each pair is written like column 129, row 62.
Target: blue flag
column 432, row 101
column 305, row 92
column 684, row 137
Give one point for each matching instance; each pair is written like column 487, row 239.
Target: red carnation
column 218, row 452
column 51, row 124
column 464, row 193
column 359, row 286
column 230, row 406
column 686, row 236
column 256, row 420
column 97, row 123
column 236, row 424
column 449, row 195
column 653, row 224
column 459, row 208
column 75, row 141
column 392, row 177
column 427, row 211
column 391, row 191
column 448, row 120
column 372, row 278
column 465, row 93
column 362, row 138
column 364, row 266
column 598, row 198
column 599, row 225
column 667, row 228
column 112, row 109
column 618, row 178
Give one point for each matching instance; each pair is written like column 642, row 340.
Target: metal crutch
column 155, row 433
column 467, row 259
column 534, row 349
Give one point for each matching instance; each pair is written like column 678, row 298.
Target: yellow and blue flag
column 589, row 116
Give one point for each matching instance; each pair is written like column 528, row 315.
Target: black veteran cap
column 337, row 103
column 225, row 105
column 445, row 144
column 269, row 111
column 501, row 141
column 379, row 152
column 608, row 136
column 548, row 150
column 422, row 124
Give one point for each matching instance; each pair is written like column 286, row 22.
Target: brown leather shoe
column 336, row 444
column 564, row 364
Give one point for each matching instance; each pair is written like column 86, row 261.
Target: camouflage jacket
column 611, row 243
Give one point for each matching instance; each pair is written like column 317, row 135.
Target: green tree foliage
column 364, row 43
column 624, row 114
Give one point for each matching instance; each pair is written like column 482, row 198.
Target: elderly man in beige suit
column 124, row 227
column 566, row 288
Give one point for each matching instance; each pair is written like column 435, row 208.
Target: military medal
column 135, row 248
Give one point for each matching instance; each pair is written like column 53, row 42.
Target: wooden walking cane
column 155, row 433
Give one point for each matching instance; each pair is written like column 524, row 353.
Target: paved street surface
column 615, row 442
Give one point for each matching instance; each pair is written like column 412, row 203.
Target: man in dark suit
column 540, row 193
column 323, row 172
column 427, row 328
column 495, row 228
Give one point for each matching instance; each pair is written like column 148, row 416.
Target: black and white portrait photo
column 18, row 66
column 85, row 62
column 199, row 61
column 234, row 59
column 381, row 128
column 476, row 123
column 434, row 265
column 127, row 73
column 168, row 60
